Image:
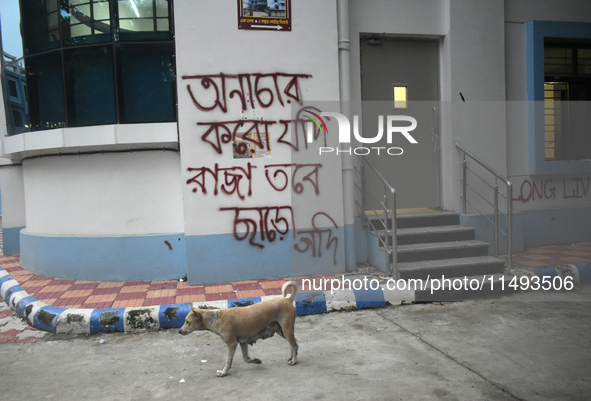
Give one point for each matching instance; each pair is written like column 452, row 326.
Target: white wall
column 474, row 55
column 13, row 205
column 112, row 194
column 520, row 11
column 208, row 42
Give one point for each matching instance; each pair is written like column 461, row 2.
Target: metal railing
column 508, row 196
column 383, row 223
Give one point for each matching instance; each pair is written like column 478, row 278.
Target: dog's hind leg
column 288, row 333
column 229, row 357
column 245, row 356
column 294, row 349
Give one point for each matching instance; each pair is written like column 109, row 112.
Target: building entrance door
column 401, row 77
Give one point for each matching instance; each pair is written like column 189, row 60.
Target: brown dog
column 246, row 325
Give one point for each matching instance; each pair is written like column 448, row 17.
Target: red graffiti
column 226, row 179
column 225, row 132
column 312, row 238
column 267, row 221
column 252, row 90
column 259, row 133
column 573, row 188
column 259, row 225
column 280, row 178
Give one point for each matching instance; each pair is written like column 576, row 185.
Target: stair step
column 422, row 219
column 427, row 219
column 416, row 235
column 442, row 250
column 455, row 267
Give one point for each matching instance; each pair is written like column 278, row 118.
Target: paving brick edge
column 108, row 320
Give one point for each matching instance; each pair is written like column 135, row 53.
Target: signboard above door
column 267, row 15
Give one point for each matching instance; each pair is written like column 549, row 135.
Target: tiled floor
column 553, row 255
column 14, row 330
column 94, row 295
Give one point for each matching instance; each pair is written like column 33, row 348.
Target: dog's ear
column 198, row 313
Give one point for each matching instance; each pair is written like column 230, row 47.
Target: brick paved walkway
column 14, row 330
column 94, row 295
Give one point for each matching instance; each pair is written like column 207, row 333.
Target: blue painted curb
column 110, row 320
column 580, row 271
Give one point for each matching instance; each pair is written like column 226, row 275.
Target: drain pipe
column 346, row 160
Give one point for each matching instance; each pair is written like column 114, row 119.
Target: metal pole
column 496, row 202
column 509, row 225
column 464, row 183
column 394, row 239
column 363, row 205
column 387, row 232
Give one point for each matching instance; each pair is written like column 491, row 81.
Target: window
column 147, row 76
column 400, row 97
column 143, row 18
column 12, row 89
column 89, row 86
column 91, row 62
column 88, row 21
column 557, row 65
column 45, row 91
column 567, row 90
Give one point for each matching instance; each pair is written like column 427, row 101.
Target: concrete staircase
column 433, row 244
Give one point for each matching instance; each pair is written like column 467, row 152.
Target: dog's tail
column 294, row 290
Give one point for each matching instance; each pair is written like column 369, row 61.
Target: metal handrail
column 509, row 213
column 387, row 234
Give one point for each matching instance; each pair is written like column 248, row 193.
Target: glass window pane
column 41, row 25
column 45, row 89
column 558, row 61
column 144, row 20
column 101, row 11
column 584, row 62
column 161, row 8
column 12, row 89
column 146, row 83
column 90, row 92
column 80, row 30
column 162, row 24
column 400, row 97
column 89, row 22
column 137, row 25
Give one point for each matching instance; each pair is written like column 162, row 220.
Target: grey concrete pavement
column 530, row 346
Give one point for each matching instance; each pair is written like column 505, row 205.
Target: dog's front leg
column 229, row 357
column 245, row 356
